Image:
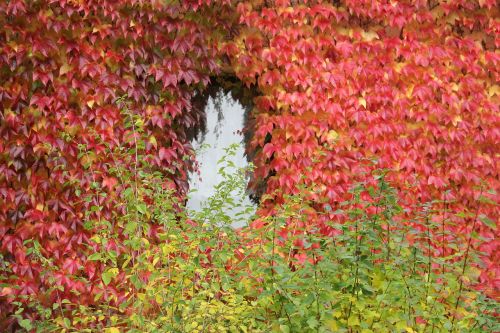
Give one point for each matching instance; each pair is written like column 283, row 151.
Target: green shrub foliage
column 193, row 272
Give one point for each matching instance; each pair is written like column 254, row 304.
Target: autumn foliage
column 345, row 87
column 63, row 64
column 410, row 84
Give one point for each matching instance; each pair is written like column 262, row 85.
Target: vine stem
column 466, row 258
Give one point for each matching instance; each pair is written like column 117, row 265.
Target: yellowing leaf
column 451, row 18
column 331, row 136
column 398, row 66
column 353, row 321
column 409, row 91
column 112, row 330
column 152, row 140
column 369, row 35
column 494, row 90
column 65, row 68
column 362, row 101
column 456, row 120
column 332, row 325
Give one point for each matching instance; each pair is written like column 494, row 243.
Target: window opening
column 224, row 123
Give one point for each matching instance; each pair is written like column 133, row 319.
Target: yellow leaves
column 457, row 119
column 65, row 68
column 331, row 136
column 415, row 126
column 369, row 36
column 283, row 106
column 409, row 91
column 309, row 92
column 398, row 66
column 494, row 90
column 13, row 46
column 166, row 249
column 378, row 280
column 451, row 18
column 332, row 324
column 153, row 142
column 90, row 103
column 155, row 260
column 401, row 325
column 112, row 330
column 344, row 31
column 353, row 321
column 6, row 291
column 40, row 124
column 362, row 101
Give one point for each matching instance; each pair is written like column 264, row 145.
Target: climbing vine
column 339, row 88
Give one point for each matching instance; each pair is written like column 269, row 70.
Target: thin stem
column 355, row 286
column 443, row 234
column 466, row 258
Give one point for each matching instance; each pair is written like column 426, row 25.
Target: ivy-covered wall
column 343, row 87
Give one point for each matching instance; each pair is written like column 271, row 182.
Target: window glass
column 225, row 118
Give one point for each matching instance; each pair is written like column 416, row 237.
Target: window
column 225, row 119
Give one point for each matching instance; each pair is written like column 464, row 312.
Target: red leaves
column 268, row 150
column 341, row 85
column 109, row 183
column 409, row 90
column 167, row 154
column 71, row 266
column 436, row 181
column 65, row 66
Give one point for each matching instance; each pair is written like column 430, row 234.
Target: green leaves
column 108, row 275
column 26, row 324
column 94, row 257
column 368, row 277
column 488, row 222
column 141, row 208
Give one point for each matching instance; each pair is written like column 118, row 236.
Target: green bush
column 376, row 274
